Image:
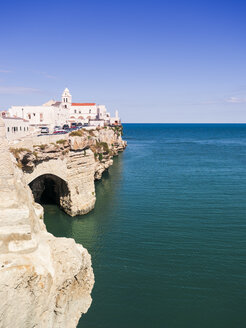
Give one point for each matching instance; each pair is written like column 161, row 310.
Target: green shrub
column 100, row 156
column 103, row 145
column 17, row 151
column 61, row 141
column 42, row 147
column 77, row 133
column 118, row 129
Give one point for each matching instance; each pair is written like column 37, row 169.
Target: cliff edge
column 45, row 282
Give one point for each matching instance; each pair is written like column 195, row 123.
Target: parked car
column 44, row 130
column 73, row 125
column 57, row 127
column 79, row 125
column 65, row 127
column 60, row 131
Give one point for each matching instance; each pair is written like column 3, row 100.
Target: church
column 56, row 113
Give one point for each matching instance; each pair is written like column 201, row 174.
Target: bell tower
column 66, row 99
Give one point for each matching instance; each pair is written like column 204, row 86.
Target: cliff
column 45, row 282
column 72, row 162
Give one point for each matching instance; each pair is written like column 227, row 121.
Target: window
column 80, row 112
column 8, row 129
column 24, row 129
column 29, row 116
column 75, row 111
column 41, row 117
column 20, row 128
column 89, row 111
column 34, row 114
column 27, row 128
column 65, row 106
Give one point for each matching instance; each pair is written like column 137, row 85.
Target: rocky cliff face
column 45, row 282
column 72, row 162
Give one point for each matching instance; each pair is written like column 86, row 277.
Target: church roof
column 83, row 104
column 57, row 103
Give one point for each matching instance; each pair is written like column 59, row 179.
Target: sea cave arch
column 50, row 189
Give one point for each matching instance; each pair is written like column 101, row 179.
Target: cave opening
column 49, row 195
column 50, row 189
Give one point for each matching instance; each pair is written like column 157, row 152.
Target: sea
column 168, row 233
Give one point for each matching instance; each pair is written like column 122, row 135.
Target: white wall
column 41, row 115
column 97, row 123
column 84, row 111
column 16, row 128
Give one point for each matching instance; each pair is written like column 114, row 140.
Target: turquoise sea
column 168, row 233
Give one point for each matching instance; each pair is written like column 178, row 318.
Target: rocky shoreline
column 77, row 159
column 45, row 281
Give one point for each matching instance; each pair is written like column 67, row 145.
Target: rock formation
column 45, row 282
column 70, row 162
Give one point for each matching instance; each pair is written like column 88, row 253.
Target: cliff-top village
column 54, row 116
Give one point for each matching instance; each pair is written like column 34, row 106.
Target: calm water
column 168, row 234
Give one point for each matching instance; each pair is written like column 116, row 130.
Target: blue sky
column 154, row 61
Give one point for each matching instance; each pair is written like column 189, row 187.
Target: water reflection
column 89, row 229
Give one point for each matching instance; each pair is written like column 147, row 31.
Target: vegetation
column 64, row 152
column 77, row 133
column 61, row 141
column 16, row 151
column 118, row 129
column 35, row 154
column 103, row 145
column 19, row 164
column 43, row 146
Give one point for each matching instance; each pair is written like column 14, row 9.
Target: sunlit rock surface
column 44, row 281
column 72, row 162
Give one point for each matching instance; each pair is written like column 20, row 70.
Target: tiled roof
column 83, row 104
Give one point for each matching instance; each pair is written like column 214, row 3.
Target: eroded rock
column 45, row 282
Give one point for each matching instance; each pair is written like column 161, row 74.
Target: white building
column 45, row 115
column 65, row 111
column 16, row 128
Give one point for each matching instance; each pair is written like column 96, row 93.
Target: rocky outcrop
column 73, row 162
column 45, row 282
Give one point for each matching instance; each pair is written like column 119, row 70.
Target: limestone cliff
column 72, row 161
column 45, row 282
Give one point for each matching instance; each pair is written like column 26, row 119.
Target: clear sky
column 154, row 61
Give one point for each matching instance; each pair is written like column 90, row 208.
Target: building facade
column 16, row 128
column 56, row 113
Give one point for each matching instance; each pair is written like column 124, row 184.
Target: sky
column 154, row 61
